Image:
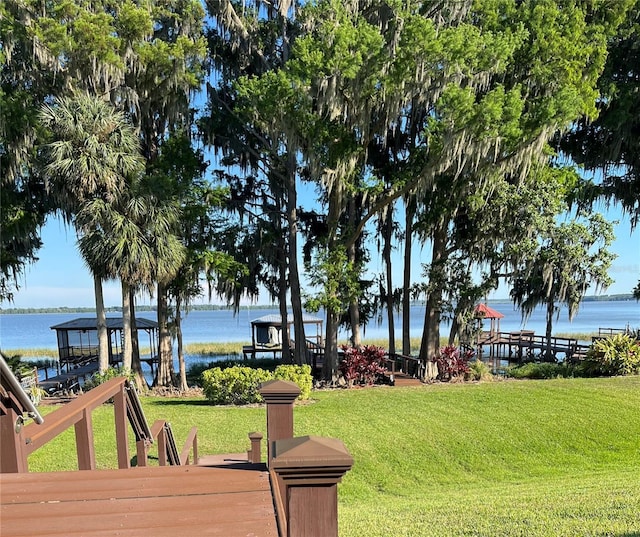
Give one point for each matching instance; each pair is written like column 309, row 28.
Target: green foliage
column 239, row 385
column 300, row 374
column 543, row 370
column 110, row 373
column 234, row 385
column 479, row 370
column 336, row 277
column 566, row 260
column 615, row 355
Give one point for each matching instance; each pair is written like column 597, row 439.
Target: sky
column 60, row 279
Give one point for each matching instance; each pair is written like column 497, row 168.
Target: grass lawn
column 507, row 458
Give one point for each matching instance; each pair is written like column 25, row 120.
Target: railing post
column 279, row 396
column 255, row 452
column 122, row 438
column 309, row 469
column 162, row 447
column 12, row 456
column 84, row 442
column 141, row 452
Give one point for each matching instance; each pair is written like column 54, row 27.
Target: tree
column 27, row 77
column 121, row 239
column 569, row 258
column 610, row 142
column 145, row 58
column 484, row 108
column 248, row 42
column 177, row 177
column 92, row 151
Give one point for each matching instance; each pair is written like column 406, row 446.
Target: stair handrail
column 78, row 413
column 19, row 393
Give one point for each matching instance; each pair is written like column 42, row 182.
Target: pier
column 525, row 345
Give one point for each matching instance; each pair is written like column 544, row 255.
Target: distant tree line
column 250, row 307
column 454, row 128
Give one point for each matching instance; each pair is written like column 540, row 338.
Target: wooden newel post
column 279, row 396
column 254, row 454
column 12, row 457
column 309, row 469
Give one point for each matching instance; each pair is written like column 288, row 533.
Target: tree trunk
column 127, row 350
column 330, row 364
column 104, row 348
column 136, row 364
column 354, row 319
column 386, row 256
column 182, row 368
column 354, row 307
column 300, row 349
column 284, row 314
column 548, row 354
column 455, row 327
column 430, row 344
column 165, row 373
column 406, row 279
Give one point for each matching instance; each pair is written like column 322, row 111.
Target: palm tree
column 92, row 151
column 132, row 240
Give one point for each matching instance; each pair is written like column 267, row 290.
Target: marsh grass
column 509, row 458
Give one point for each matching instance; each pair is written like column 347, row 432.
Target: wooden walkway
column 158, row 501
column 402, row 379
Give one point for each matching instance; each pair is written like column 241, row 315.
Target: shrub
column 239, row 385
column 363, row 364
column 544, row 370
column 110, row 373
column 300, row 374
column 234, row 385
column 451, row 364
column 195, row 370
column 479, row 370
column 615, row 355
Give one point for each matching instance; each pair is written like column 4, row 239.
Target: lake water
column 32, row 331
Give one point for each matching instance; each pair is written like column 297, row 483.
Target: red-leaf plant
column 362, row 365
column 451, row 364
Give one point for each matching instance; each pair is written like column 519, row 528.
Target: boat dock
column 525, row 345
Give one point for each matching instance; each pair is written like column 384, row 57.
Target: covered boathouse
column 78, row 345
column 266, row 335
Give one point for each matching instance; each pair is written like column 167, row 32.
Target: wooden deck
column 158, row 501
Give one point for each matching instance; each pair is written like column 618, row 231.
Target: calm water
column 31, row 331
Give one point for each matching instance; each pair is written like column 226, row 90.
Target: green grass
column 507, row 458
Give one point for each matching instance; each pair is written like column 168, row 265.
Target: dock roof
column 113, row 323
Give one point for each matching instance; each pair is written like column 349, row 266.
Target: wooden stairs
column 293, row 494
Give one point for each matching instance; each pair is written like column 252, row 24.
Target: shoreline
column 216, row 349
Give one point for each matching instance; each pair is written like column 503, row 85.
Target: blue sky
column 60, row 277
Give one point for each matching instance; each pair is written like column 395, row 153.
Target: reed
column 215, row 349
column 26, row 354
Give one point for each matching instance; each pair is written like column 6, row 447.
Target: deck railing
column 78, row 413
column 401, row 363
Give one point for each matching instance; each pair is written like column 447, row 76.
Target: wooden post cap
column 311, row 459
column 279, row 391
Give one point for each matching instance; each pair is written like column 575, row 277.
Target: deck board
column 159, row 501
